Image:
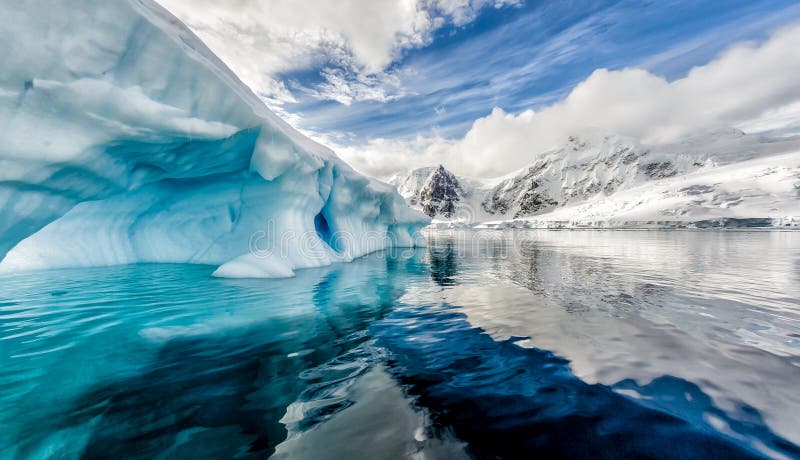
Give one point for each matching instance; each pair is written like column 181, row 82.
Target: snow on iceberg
column 124, row 139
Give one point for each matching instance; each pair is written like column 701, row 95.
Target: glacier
column 597, row 179
column 125, row 140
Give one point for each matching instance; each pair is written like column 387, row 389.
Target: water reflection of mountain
column 700, row 306
column 506, row 401
column 443, row 261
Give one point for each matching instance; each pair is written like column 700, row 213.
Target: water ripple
column 566, row 344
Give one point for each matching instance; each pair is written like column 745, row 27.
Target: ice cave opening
column 324, row 232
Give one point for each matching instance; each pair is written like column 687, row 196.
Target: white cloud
column 464, row 11
column 743, row 84
column 259, row 39
column 382, row 158
column 345, row 87
column 781, row 121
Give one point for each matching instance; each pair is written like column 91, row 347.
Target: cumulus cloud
column 739, row 87
column 383, row 158
column 259, row 39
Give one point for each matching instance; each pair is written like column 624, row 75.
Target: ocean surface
column 499, row 344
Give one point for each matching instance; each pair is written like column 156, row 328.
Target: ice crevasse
column 123, row 139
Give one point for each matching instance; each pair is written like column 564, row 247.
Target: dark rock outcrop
column 441, row 192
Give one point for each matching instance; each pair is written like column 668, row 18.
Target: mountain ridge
column 588, row 181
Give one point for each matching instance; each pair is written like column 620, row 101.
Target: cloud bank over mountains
column 751, row 85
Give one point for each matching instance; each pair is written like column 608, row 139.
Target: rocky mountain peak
column 440, row 193
column 577, row 143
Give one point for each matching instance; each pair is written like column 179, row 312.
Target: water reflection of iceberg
column 507, row 401
column 220, row 385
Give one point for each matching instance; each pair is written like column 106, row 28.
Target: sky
column 483, row 86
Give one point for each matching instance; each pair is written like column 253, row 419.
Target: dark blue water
column 497, row 345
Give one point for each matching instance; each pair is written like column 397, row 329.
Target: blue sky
column 392, row 85
column 529, row 56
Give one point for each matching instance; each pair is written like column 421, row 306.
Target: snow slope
column 124, row 139
column 603, row 180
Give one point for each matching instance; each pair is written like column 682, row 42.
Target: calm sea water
column 518, row 344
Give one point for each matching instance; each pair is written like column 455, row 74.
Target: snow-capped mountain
column 435, row 191
column 634, row 184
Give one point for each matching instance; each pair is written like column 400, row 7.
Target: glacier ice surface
column 124, row 139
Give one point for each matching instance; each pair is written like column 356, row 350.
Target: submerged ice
column 126, row 140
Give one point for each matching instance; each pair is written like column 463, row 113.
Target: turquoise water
column 500, row 344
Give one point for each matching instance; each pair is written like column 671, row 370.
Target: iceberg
column 126, row 140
